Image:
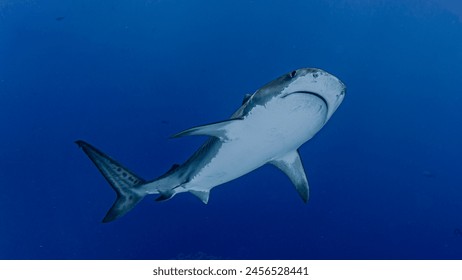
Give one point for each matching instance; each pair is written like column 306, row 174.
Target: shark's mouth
column 310, row 93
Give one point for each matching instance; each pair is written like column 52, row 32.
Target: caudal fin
column 122, row 180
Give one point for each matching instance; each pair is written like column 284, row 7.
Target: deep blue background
column 385, row 172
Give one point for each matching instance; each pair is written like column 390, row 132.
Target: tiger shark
column 269, row 127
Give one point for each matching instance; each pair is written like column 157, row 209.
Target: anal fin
column 165, row 196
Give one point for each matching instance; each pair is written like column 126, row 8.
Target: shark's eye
column 293, row 73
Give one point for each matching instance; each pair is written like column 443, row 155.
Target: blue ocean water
column 125, row 75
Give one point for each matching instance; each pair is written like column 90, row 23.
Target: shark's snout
column 343, row 92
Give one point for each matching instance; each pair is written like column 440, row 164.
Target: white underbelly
column 267, row 132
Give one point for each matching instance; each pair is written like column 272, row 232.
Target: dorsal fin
column 246, row 98
column 173, row 168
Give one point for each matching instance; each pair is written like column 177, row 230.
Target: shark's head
column 306, row 80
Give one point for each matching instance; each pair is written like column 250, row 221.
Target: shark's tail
column 122, row 180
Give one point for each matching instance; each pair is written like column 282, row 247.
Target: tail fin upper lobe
column 122, row 180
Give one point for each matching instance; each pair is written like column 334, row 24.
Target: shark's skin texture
column 269, row 127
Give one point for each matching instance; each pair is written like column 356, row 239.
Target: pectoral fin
column 292, row 166
column 203, row 196
column 220, row 129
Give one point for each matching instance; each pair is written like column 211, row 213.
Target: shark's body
column 269, row 127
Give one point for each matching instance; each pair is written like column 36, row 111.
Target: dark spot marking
column 124, row 174
column 315, row 75
column 119, row 169
column 293, row 73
